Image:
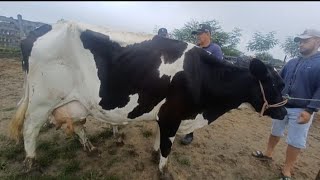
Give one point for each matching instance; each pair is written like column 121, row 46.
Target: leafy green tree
column 264, row 56
column 290, row 47
column 262, row 43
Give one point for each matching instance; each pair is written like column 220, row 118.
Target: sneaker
column 187, row 139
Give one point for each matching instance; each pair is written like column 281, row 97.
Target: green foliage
column 262, row 43
column 228, row 41
column 264, row 56
column 290, row 47
column 6, row 52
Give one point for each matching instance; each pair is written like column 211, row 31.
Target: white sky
column 286, row 18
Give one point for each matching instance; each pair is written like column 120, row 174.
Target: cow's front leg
column 168, row 129
column 156, row 146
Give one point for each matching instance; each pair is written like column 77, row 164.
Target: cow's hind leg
column 31, row 129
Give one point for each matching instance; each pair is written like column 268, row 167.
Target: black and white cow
column 75, row 70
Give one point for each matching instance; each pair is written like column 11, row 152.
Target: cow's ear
column 258, row 69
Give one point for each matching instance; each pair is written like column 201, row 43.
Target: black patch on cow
column 103, row 50
column 125, row 71
column 27, row 44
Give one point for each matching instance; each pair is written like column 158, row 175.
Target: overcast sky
column 286, row 18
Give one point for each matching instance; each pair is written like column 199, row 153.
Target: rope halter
column 266, row 105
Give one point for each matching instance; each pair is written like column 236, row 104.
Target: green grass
column 8, row 109
column 72, row 167
column 106, row 134
column 12, row 152
column 146, row 133
column 184, row 161
column 49, row 151
column 181, row 159
column 112, row 161
column 10, row 52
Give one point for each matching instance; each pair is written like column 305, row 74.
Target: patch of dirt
column 219, row 151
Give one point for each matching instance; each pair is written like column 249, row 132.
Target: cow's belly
column 188, row 126
column 120, row 115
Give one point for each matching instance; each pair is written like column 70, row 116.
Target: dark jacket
column 215, row 50
column 302, row 80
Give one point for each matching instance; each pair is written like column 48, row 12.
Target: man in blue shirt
column 302, row 80
column 204, row 41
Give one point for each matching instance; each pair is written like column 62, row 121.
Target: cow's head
column 272, row 85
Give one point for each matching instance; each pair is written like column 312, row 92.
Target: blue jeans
column 297, row 133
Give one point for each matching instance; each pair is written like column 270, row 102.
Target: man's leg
column 187, row 139
column 291, row 157
column 273, row 141
column 277, row 131
column 296, row 139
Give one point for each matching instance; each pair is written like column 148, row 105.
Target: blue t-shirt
column 215, row 50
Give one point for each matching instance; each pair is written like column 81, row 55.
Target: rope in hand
column 302, row 99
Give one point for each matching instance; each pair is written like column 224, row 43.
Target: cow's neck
column 232, row 89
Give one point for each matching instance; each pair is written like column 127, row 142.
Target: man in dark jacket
column 204, row 41
column 163, row 32
column 302, row 80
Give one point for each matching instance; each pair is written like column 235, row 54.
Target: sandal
column 259, row 155
column 283, row 177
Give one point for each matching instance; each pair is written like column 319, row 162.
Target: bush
column 6, row 52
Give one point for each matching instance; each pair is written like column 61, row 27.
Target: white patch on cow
column 172, row 139
column 156, row 145
column 188, row 126
column 246, row 105
column 124, row 111
column 173, row 68
column 163, row 162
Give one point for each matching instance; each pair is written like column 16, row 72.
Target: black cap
column 162, row 32
column 202, row 28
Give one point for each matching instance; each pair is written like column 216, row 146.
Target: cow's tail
column 16, row 123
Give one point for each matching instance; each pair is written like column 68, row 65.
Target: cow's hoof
column 119, row 140
column 31, row 166
column 88, row 147
column 155, row 157
column 165, row 176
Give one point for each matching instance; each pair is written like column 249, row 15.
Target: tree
column 262, row 43
column 227, row 41
column 264, row 56
column 290, row 47
column 155, row 29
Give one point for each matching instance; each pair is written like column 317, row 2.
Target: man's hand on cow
column 304, row 117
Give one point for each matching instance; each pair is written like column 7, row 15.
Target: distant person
column 204, row 41
column 302, row 80
column 163, row 32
